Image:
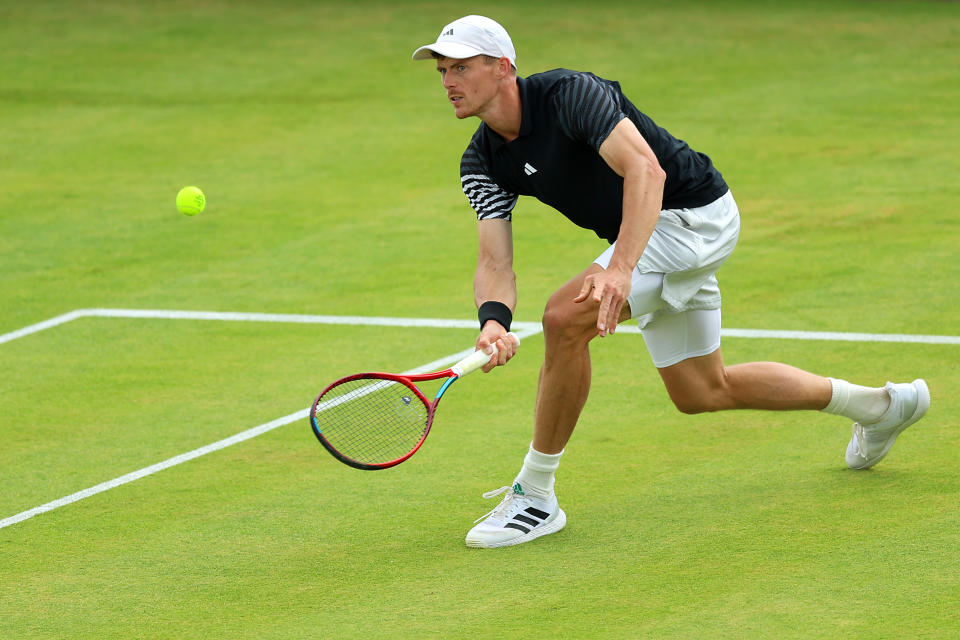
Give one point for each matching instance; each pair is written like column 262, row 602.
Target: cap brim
column 453, row 50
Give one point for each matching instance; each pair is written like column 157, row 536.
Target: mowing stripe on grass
column 226, row 442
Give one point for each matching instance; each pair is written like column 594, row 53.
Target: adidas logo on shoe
column 528, row 520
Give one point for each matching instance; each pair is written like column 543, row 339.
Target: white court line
column 40, row 326
column 523, row 329
column 160, row 466
column 223, row 444
column 437, row 323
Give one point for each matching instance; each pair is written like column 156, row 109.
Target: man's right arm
column 495, row 281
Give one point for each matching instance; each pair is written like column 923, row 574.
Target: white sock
column 536, row 478
column 860, row 404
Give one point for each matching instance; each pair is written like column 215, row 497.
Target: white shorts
column 675, row 294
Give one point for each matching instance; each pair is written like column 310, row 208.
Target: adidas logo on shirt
column 529, row 169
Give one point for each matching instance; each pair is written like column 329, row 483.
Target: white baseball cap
column 471, row 36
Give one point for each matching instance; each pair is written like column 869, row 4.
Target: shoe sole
column 923, row 403
column 551, row 527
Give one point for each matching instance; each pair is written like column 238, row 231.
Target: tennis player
column 575, row 142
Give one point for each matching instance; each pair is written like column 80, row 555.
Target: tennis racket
column 375, row 421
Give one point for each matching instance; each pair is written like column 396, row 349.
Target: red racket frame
column 406, row 380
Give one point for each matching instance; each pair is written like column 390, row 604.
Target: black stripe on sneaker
column 536, row 513
column 514, row 525
column 530, row 521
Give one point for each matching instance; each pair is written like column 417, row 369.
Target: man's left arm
column 629, row 155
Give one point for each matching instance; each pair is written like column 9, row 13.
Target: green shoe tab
column 517, row 489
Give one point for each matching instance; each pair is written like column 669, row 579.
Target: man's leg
column 564, row 385
column 685, row 348
column 704, row 384
column 529, row 508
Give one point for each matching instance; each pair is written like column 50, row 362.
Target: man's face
column 470, row 83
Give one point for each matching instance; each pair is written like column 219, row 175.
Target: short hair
column 486, row 58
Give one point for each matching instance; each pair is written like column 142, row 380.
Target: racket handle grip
column 478, row 358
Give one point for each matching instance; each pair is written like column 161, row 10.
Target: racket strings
column 372, row 421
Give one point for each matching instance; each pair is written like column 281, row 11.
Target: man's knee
column 567, row 319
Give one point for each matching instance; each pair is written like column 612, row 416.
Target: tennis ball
column 190, row 201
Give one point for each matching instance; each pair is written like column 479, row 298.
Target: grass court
column 330, row 164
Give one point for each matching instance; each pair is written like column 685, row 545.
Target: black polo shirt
column 566, row 117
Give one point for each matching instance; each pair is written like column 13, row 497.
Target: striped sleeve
column 487, row 198
column 587, row 108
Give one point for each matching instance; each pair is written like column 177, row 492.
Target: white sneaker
column 518, row 518
column 871, row 442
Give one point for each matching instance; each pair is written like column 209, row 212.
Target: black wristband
column 493, row 310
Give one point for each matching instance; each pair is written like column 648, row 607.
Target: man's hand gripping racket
column 377, row 420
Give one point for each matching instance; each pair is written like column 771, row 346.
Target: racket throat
column 446, row 385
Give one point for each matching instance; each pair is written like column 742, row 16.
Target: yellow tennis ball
column 190, row 201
